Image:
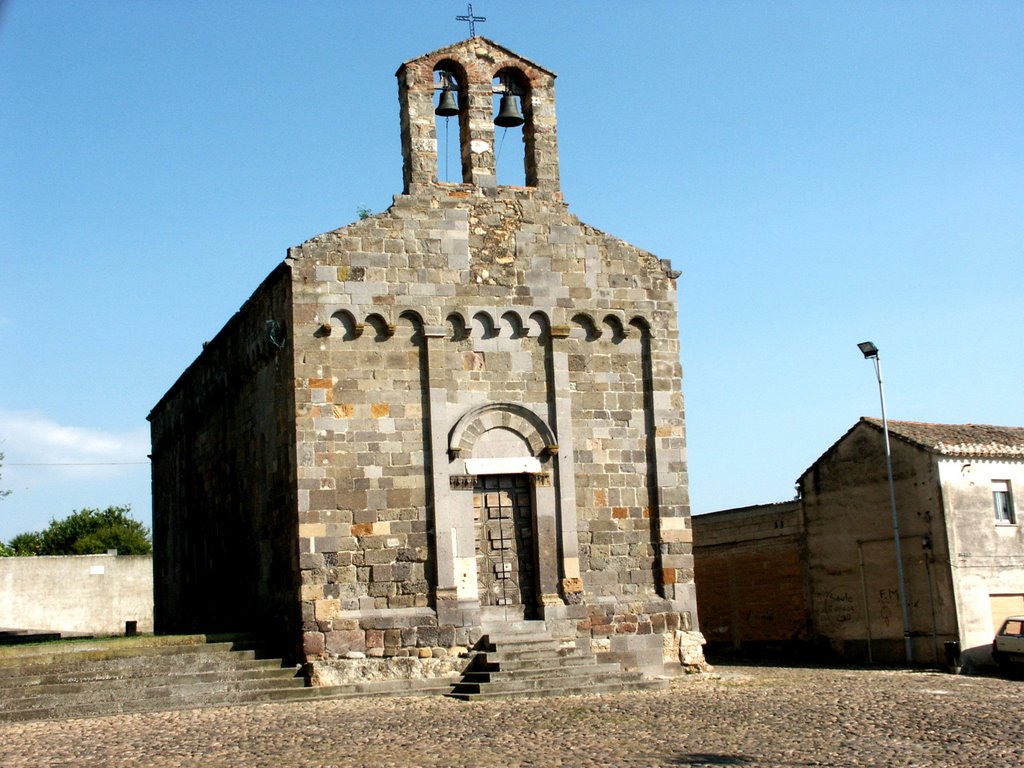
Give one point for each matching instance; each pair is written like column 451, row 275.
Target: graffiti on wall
column 839, row 606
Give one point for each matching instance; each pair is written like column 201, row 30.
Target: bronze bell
column 446, row 105
column 508, row 112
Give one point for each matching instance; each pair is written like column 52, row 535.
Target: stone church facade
column 463, row 411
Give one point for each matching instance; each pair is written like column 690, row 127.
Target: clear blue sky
column 822, row 173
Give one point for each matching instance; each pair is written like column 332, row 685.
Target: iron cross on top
column 471, row 19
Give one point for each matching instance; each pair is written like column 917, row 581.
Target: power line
column 76, row 464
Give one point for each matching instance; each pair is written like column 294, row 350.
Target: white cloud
column 27, row 437
column 53, row 469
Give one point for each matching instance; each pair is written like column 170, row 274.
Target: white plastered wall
column 986, row 558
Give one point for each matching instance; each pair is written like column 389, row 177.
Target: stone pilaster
column 667, row 444
column 564, row 459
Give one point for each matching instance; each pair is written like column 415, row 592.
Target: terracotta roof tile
column 959, row 439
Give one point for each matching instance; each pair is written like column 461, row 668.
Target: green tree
column 23, row 544
column 94, row 531
column 85, row 532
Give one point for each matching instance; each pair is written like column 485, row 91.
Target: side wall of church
column 224, row 532
column 454, row 299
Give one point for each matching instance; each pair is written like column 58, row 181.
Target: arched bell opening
column 451, row 123
column 513, row 121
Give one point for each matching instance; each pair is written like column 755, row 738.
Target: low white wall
column 94, row 594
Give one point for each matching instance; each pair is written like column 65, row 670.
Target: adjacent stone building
column 751, row 579
column 460, row 412
column 961, row 542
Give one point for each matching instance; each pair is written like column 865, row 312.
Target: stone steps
column 40, row 675
column 573, row 690
column 402, row 687
column 88, row 701
column 548, row 672
column 155, row 701
column 557, row 683
column 526, row 661
column 133, row 666
column 492, row 663
column 71, row 653
column 79, row 679
column 21, row 636
column 115, row 687
column 151, row 673
column 554, row 653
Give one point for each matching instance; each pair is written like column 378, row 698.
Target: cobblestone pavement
column 741, row 716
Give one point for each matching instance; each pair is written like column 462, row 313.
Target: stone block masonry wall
column 487, row 298
column 760, row 522
column 471, row 337
column 618, row 551
column 363, row 513
column 751, row 588
column 376, row 634
column 476, row 63
column 752, row 596
column 509, row 302
column 365, row 530
column 603, row 621
column 224, row 527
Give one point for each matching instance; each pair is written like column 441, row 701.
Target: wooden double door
column 505, row 544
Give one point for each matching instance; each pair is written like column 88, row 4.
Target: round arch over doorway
column 517, row 418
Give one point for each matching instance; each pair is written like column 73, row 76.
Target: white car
column 1008, row 645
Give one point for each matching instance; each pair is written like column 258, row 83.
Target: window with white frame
column 1002, row 498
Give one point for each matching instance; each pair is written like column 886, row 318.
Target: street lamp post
column 870, row 352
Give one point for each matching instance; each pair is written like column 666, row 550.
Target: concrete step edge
column 99, row 655
column 515, row 626
column 73, row 644
column 570, row 673
column 120, row 683
column 185, row 694
column 506, row 655
column 528, row 683
column 565, row 691
column 391, row 689
column 567, row 660
column 142, row 671
column 517, row 639
column 106, row 709
column 429, row 687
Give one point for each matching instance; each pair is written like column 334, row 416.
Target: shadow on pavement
column 710, row 758
column 702, row 759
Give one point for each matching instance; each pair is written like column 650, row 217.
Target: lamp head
column 868, row 349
